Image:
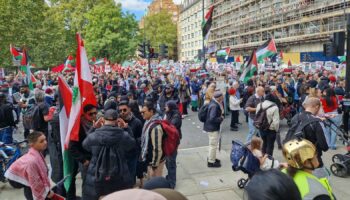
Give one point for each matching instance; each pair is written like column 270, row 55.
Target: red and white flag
column 84, row 75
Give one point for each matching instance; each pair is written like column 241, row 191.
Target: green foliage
column 160, row 29
column 110, row 33
column 48, row 30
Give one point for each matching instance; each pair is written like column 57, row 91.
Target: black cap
column 111, row 115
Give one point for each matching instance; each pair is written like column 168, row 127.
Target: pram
column 341, row 162
column 242, row 159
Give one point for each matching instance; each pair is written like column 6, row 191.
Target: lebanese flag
column 75, row 112
column 84, row 75
column 65, row 98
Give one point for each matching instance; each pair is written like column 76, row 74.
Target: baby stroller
column 341, row 162
column 242, row 159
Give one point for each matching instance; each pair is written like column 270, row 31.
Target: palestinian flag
column 250, row 69
column 266, row 50
column 30, row 79
column 207, row 22
column 65, row 98
column 17, row 55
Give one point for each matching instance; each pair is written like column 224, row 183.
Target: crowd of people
column 128, row 104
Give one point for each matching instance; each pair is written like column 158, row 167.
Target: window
column 192, row 35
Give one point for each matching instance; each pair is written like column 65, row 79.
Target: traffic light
column 336, row 45
column 339, row 42
column 329, row 49
column 151, row 52
column 163, row 50
column 142, row 50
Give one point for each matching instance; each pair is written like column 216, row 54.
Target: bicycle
column 9, row 153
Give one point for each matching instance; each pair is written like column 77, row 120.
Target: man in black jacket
column 80, row 155
column 212, row 127
column 6, row 120
column 113, row 135
column 136, row 128
column 315, row 131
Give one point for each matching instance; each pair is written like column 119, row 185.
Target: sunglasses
column 92, row 114
column 123, row 110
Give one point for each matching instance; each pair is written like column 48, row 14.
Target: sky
column 137, row 7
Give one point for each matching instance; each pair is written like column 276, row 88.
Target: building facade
column 190, row 29
column 160, row 5
column 296, row 25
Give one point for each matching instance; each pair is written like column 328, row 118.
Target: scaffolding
column 246, row 24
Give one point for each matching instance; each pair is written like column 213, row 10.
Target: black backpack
column 109, row 168
column 296, row 131
column 260, row 121
column 203, row 112
column 28, row 116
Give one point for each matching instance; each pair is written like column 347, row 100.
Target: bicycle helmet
column 297, row 151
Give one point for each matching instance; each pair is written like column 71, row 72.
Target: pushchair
column 341, row 162
column 243, row 160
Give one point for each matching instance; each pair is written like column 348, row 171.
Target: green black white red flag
column 250, row 69
column 208, row 20
column 266, row 50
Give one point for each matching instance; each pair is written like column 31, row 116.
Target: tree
column 160, row 29
column 110, row 33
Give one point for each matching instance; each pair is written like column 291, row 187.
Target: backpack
column 203, row 112
column 171, row 138
column 260, row 121
column 296, row 131
column 28, row 117
column 109, row 168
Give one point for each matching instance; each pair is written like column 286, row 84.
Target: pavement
column 198, row 182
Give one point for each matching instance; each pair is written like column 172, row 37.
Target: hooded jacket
column 106, row 136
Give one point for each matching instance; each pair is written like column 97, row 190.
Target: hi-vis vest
column 310, row 186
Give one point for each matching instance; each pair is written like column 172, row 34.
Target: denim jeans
column 252, row 129
column 170, row 163
column 6, row 135
column 331, row 132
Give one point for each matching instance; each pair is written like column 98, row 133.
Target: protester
column 7, row 121
column 212, row 127
column 330, row 107
column 173, row 115
column 151, row 141
column 234, row 103
column 26, row 101
column 81, row 156
column 30, row 171
column 114, row 136
column 273, row 118
column 135, row 126
column 315, row 130
column 250, row 107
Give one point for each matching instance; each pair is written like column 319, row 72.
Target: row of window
column 192, row 44
column 191, row 27
column 189, row 53
column 191, row 36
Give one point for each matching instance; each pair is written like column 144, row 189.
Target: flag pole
column 203, row 47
